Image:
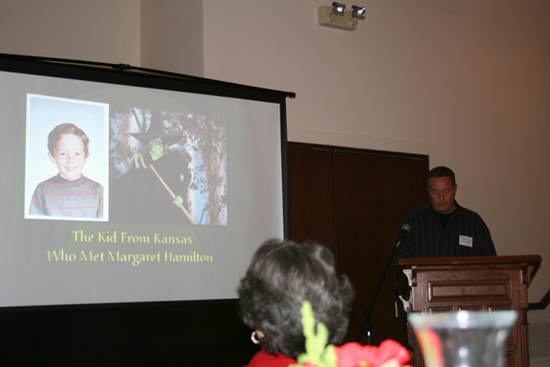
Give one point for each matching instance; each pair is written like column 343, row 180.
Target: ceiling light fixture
column 336, row 16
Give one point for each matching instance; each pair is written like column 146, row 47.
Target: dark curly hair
column 281, row 276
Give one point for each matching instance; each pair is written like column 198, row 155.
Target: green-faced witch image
column 154, row 190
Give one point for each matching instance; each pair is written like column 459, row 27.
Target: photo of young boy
column 69, row 193
column 66, row 170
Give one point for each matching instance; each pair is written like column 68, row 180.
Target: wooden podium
column 445, row 284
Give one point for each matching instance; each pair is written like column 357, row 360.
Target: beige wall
column 98, row 30
column 171, row 36
column 466, row 82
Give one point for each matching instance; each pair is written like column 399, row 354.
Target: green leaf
column 317, row 353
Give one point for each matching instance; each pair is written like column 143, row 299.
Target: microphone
column 403, row 232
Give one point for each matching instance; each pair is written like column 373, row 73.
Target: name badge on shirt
column 465, row 241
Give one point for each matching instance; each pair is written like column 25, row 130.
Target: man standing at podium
column 443, row 228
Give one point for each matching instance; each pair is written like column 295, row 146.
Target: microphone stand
column 366, row 323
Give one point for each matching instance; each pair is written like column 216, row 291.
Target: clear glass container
column 464, row 338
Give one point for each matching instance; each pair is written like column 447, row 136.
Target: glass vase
column 464, row 338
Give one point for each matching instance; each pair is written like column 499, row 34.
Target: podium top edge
column 533, row 260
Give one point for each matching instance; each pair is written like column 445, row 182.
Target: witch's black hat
column 157, row 130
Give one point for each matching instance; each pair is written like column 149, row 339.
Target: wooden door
column 352, row 202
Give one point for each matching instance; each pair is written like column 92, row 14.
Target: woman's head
column 281, row 276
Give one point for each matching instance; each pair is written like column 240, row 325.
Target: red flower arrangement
column 318, row 354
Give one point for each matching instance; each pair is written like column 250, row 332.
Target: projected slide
column 115, row 193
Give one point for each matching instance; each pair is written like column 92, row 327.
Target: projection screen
column 122, row 186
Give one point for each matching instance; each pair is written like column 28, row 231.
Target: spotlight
column 338, row 9
column 336, row 16
column 358, row 12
